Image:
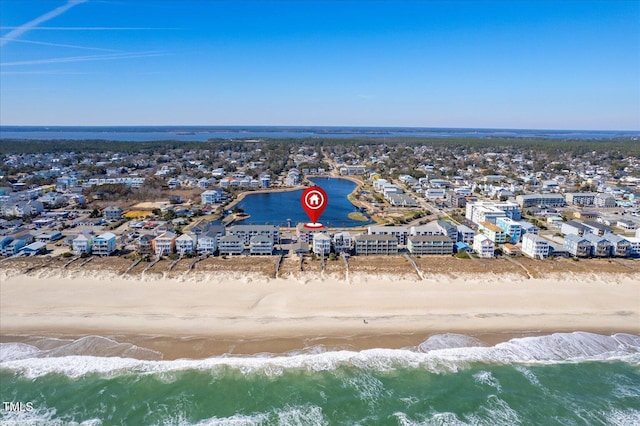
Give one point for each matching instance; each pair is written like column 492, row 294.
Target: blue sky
column 501, row 64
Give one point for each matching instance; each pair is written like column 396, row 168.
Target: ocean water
column 204, row 133
column 560, row 379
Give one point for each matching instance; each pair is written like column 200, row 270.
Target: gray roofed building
column 574, row 227
column 430, row 244
column 247, row 231
column 530, row 200
column 577, row 245
column 375, row 244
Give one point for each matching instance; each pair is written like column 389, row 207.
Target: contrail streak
column 17, row 32
column 73, row 46
column 110, row 57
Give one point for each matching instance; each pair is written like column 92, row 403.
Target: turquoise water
column 276, row 208
column 562, row 379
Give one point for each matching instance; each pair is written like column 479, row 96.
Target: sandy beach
column 277, row 314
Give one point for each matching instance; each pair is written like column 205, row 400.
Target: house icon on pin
column 314, row 200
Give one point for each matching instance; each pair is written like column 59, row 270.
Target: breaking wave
column 447, row 355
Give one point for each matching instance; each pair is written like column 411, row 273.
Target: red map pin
column 314, row 200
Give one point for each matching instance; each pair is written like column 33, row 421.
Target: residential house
column 14, row 246
column 230, row 244
column 435, row 194
column 634, row 246
column 265, row 181
column 577, row 245
column 574, row 227
column 598, row 228
column 212, row 196
column 342, row 242
column 305, row 234
column 465, row 234
column 4, row 242
column 33, row 249
column 511, row 227
column 620, row 246
column 112, row 213
column 528, row 228
column 200, row 227
column 628, row 225
column 449, row 229
column 510, row 249
column 164, row 243
column 261, row 245
column 186, row 244
column 321, row 244
column 144, row 244
column 430, row 244
column 104, row 245
column 82, row 244
column 207, row 244
column 483, row 246
column 494, row 232
column 604, row 201
column 535, row 246
column 49, row 237
column 601, row 246
column 375, row 244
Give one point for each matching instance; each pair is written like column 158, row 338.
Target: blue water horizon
column 205, row 133
column 283, row 208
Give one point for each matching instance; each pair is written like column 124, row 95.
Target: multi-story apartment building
column 574, row 227
column 375, row 244
column 247, row 231
column 399, row 232
column 535, row 246
column 604, row 201
column 430, row 244
column 600, row 246
column 580, row 198
column 545, row 200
